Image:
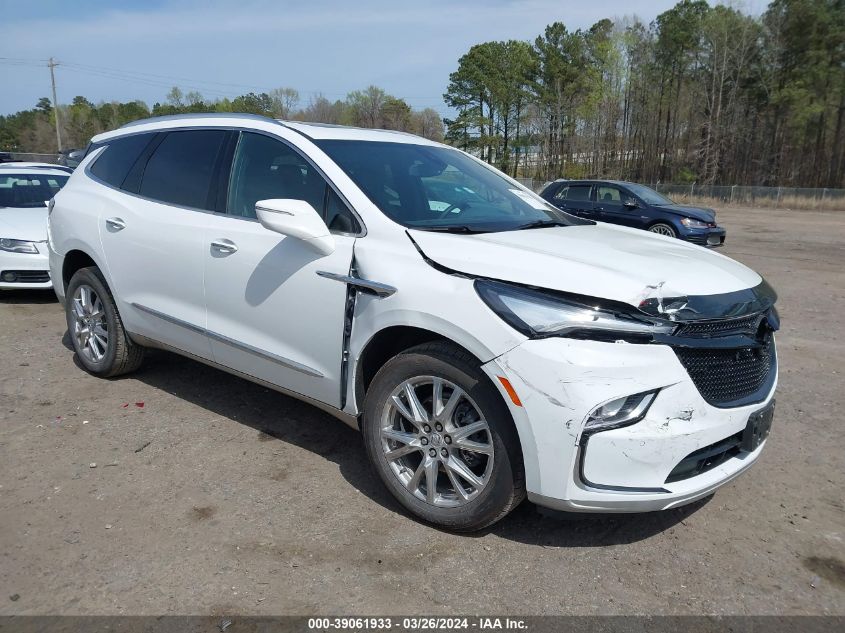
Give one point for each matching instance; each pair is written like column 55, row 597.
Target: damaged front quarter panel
column 467, row 322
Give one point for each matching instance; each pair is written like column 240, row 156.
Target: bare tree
column 321, row 110
column 428, row 123
column 285, row 101
column 365, row 106
column 175, row 97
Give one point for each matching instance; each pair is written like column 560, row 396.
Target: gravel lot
column 211, row 495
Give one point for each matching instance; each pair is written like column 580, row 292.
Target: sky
column 137, row 49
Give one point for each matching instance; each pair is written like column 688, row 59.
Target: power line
column 148, row 82
column 199, row 85
column 167, row 77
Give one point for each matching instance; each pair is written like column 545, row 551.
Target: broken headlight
column 539, row 314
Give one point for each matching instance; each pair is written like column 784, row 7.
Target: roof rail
column 199, row 115
column 295, row 126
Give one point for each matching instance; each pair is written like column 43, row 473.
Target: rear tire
column 96, row 331
column 466, row 471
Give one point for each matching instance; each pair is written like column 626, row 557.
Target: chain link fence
column 740, row 195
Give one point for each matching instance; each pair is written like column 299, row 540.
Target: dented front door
column 270, row 315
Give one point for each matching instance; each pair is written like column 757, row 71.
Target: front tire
column 442, row 440
column 96, row 331
column 661, row 228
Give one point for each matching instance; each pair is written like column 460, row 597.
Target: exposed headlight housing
column 17, row 246
column 539, row 314
column 620, row 412
column 692, row 223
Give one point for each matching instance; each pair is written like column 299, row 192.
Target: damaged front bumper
column 560, row 381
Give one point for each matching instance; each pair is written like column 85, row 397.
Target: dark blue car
column 634, row 205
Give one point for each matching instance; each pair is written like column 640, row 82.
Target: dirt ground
column 212, row 495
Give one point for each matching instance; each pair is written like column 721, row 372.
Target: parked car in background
column 637, row 206
column 71, row 157
column 25, row 190
column 485, row 344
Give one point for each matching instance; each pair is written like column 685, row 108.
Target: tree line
column 34, row 130
column 702, row 94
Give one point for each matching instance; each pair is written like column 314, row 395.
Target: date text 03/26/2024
column 415, row 624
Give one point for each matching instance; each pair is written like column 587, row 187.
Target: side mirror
column 630, row 203
column 296, row 218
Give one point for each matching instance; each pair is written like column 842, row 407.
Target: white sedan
column 25, row 190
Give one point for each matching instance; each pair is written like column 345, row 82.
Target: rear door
column 271, row 312
column 575, row 198
column 153, row 239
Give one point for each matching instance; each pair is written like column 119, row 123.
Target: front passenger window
column 264, row 169
column 609, row 195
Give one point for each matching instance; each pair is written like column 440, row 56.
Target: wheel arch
column 75, row 259
column 670, row 221
column 387, row 342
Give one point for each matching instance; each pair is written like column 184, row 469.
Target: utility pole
column 51, row 65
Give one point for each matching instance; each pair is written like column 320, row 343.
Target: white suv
column 485, row 343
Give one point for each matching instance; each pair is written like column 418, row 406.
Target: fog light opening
column 9, row 277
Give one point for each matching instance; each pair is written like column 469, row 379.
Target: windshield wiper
column 456, row 228
column 540, row 224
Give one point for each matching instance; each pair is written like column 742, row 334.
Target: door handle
column 116, row 223
column 224, row 246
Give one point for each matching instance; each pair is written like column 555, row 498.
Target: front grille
column 725, row 376
column 25, row 276
column 707, row 329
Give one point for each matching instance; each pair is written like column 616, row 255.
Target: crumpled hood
column 24, row 224
column 602, row 260
column 699, row 213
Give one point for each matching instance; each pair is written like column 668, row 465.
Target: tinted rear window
column 180, row 170
column 120, row 154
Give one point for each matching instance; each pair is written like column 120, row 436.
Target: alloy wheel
column 436, row 441
column 662, row 229
column 90, row 329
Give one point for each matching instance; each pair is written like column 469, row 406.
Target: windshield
column 437, row 188
column 648, row 195
column 28, row 190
